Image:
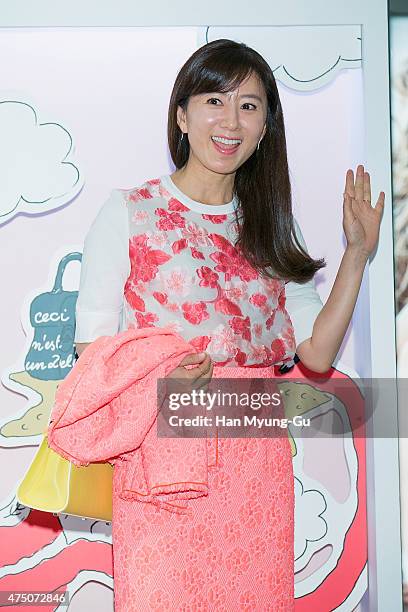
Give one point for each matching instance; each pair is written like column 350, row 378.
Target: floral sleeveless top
column 186, row 274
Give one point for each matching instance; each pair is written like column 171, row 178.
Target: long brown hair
column 266, row 233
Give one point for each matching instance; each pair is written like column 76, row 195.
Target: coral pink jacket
column 106, row 409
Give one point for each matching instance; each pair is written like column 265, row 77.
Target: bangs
column 223, row 74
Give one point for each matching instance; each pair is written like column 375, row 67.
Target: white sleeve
column 303, row 302
column 104, row 270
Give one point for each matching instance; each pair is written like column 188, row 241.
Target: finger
column 367, row 187
column 206, row 376
column 206, row 366
column 349, row 183
column 204, row 381
column 357, row 207
column 348, row 209
column 193, row 358
column 203, row 368
column 379, row 207
column 359, row 184
column 209, row 374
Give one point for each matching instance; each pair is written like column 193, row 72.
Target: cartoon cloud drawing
column 36, row 161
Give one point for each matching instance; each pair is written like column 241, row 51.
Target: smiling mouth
column 226, row 142
column 226, row 146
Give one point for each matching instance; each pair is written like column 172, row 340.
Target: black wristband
column 285, row 368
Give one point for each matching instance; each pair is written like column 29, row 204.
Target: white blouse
column 106, row 267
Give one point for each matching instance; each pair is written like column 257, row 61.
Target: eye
column 212, row 100
column 249, row 104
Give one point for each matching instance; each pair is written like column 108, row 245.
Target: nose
column 230, row 117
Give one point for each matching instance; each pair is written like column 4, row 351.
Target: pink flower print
column 272, row 287
column 200, row 342
column 196, row 312
column 257, row 329
column 247, row 449
column 178, row 281
column 197, row 236
column 140, row 194
column 258, row 299
column 210, row 519
column 236, row 292
column 240, row 358
column 169, row 220
column 282, row 300
column 215, row 218
column 196, row 254
column 258, row 353
column 230, row 260
column 232, row 582
column 278, row 349
column 159, row 600
column 217, row 594
column 253, row 488
column 247, row 601
column 158, row 239
column 154, row 181
column 194, row 581
column 241, row 327
column 140, row 217
column 251, row 513
column 134, row 300
column 222, row 480
column 287, row 334
column 270, row 320
column 238, row 560
column 144, row 260
column 226, row 306
column 146, row 320
column 209, row 278
column 200, row 537
column 173, row 307
column 160, row 297
column 163, row 192
column 258, row 548
column 179, row 245
column 223, row 341
column 223, row 304
column 231, row 531
column 139, row 286
column 175, row 326
column 147, row 556
column 174, row 204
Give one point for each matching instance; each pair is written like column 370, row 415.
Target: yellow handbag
column 54, row 484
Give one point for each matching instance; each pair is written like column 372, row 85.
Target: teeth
column 230, row 141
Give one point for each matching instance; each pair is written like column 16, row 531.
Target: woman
column 214, row 251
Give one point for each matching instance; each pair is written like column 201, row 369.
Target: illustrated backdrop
column 83, row 111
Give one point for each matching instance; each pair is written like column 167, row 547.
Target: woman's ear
column 181, row 119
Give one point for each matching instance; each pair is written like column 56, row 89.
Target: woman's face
column 238, row 118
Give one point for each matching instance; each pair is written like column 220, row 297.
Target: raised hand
column 361, row 221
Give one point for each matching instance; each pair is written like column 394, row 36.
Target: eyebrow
column 252, row 96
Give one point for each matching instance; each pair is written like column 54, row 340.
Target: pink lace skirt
column 234, row 552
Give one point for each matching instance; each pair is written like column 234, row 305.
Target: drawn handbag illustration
column 52, row 317
column 54, row 484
